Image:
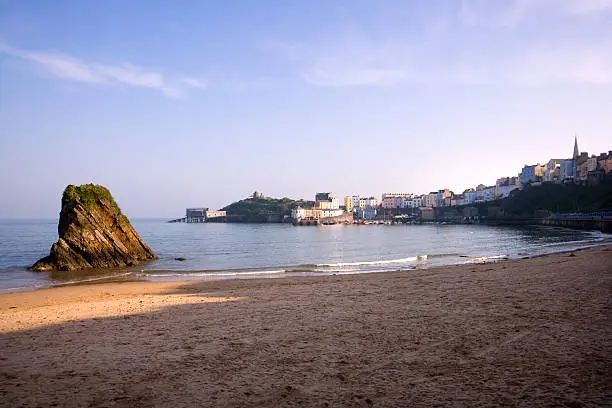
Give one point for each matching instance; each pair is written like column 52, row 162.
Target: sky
column 199, row 103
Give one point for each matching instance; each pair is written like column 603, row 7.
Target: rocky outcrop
column 93, row 233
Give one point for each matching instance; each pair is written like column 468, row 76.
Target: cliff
column 93, row 233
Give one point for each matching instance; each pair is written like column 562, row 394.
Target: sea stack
column 93, row 233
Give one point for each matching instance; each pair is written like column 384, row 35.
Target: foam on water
column 486, row 259
column 167, row 274
column 94, row 279
column 366, row 263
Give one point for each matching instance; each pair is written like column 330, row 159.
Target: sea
column 217, row 251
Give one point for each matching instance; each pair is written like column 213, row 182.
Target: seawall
column 586, row 222
column 340, row 219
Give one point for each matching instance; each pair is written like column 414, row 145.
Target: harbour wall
column 340, row 219
column 587, row 222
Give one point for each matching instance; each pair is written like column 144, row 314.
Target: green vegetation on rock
column 88, row 195
column 262, row 208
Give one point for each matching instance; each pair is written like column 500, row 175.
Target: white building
column 326, row 201
column 533, row 173
column 469, row 196
column 458, row 200
column 552, row 170
column 326, row 205
column 299, row 213
column 592, row 163
column 394, row 200
column 489, row 193
column 567, row 170
column 443, row 197
column 371, row 202
column 351, row 202
column 504, row 191
column 431, row 199
column 367, row 213
column 504, row 185
column 330, row 213
column 414, row 202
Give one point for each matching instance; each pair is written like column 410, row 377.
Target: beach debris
column 179, row 258
column 93, row 233
column 572, row 255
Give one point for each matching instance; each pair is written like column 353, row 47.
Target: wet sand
column 527, row 333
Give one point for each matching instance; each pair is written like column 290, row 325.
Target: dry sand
column 530, row 333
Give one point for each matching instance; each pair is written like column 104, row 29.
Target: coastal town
column 580, row 169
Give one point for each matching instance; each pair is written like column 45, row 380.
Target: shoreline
column 147, row 285
column 136, row 274
column 528, row 332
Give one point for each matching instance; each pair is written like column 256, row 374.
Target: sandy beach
column 527, row 333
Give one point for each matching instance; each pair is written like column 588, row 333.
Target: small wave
column 306, row 266
column 301, row 270
column 23, row 288
column 443, row 255
column 332, row 270
column 594, row 240
column 167, row 274
column 366, row 263
column 486, row 259
column 97, row 278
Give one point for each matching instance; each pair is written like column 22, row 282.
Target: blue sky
column 199, row 103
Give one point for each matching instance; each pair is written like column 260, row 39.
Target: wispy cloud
column 131, row 75
column 353, row 55
column 396, row 65
column 494, row 13
column 61, row 65
column 351, row 76
column 194, row 82
column 511, row 13
column 348, row 62
column 76, row 69
column 357, row 63
column 588, row 65
column 586, row 6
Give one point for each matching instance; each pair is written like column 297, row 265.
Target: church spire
column 576, row 151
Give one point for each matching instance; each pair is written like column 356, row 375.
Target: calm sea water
column 225, row 251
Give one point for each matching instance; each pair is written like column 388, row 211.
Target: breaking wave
column 374, row 263
column 169, row 274
column 486, row 259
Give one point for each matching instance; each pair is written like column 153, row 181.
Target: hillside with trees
column 263, row 209
column 562, row 198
